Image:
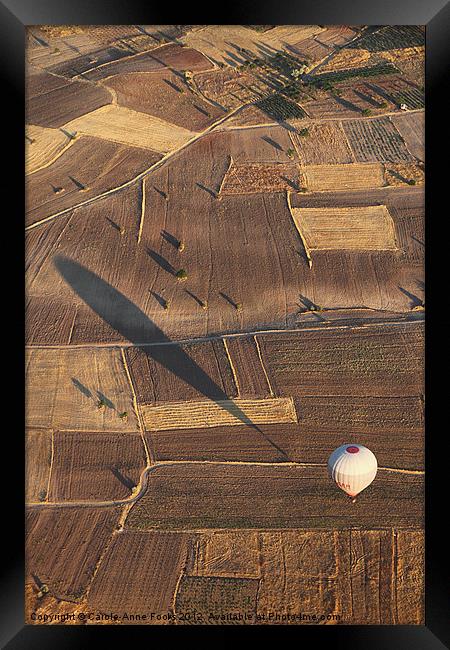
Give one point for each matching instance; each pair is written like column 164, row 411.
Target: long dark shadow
column 135, row 326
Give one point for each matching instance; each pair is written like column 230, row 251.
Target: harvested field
column 405, row 174
column 89, row 466
column 412, row 128
column 337, row 35
column 410, row 603
column 42, row 146
column 38, row 460
column 325, row 143
column 345, row 59
column 230, row 554
column 154, row 563
column 254, row 177
column 217, row 600
column 90, row 167
column 265, row 145
column 376, row 141
column 236, row 496
column 358, row 176
column 370, row 228
column 248, row 370
column 205, row 414
column 392, row 428
column 165, row 96
column 381, row 361
column 65, row 386
column 133, row 128
column 67, row 101
column 411, row 61
column 181, row 372
column 234, row 44
column 230, row 87
column 48, row 321
column 64, row 545
column 310, row 50
column 171, row 56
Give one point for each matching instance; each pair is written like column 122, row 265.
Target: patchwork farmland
column 224, row 283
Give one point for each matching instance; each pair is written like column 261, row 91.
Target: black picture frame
column 15, row 15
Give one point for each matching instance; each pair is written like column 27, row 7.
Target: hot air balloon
column 353, row 468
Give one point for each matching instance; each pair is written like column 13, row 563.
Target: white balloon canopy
column 353, row 468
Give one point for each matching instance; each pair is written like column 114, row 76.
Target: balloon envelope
column 353, row 468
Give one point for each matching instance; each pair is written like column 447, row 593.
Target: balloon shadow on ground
column 135, row 326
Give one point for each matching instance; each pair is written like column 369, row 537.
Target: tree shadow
column 170, row 239
column 79, row 185
column 415, row 300
column 114, row 224
column 160, row 192
column 83, row 389
column 272, row 142
column 163, row 263
column 228, row 299
column 347, row 104
column 136, row 327
column 105, row 400
column 207, row 189
column 125, row 480
column 294, row 186
column 197, row 300
column 172, row 85
column 159, row 298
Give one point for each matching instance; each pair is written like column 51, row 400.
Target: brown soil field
column 38, row 460
column 52, row 52
column 404, row 173
column 226, row 554
column 165, row 96
column 236, row 496
column 410, row 577
column 170, row 56
column 325, row 143
column 216, row 599
column 253, row 177
column 380, row 361
column 392, row 428
column 230, row 87
column 397, row 89
column 310, row 50
column 133, row 128
column 263, row 145
column 53, row 104
column 249, row 116
column 63, row 547
column 357, row 176
column 200, row 370
column 42, row 146
column 205, row 414
column 154, row 562
column 225, row 43
column 410, row 60
column 50, row 606
column 346, row 59
column 412, row 128
column 48, row 321
column 376, row 140
column 64, row 387
column 370, row 228
column 337, row 35
column 90, row 167
column 248, row 370
column 225, row 241
column 89, row 466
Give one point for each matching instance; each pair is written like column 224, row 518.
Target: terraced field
column 224, row 283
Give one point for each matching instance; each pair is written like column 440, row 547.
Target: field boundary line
column 133, row 498
column 145, row 172
column 52, row 456
column 128, row 344
column 141, row 221
column 258, row 349
column 233, row 370
column 149, row 460
column 307, row 251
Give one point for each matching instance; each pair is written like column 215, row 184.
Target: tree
column 181, row 274
column 290, row 152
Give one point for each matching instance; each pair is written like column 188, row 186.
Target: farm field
column 225, row 244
